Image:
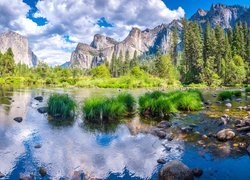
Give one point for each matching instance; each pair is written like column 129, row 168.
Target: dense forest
column 210, row 56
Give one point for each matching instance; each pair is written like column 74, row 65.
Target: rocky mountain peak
column 100, row 42
column 202, row 12
column 20, row 47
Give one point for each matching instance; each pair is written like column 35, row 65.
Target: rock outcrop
column 146, row 41
column 20, row 47
column 222, row 15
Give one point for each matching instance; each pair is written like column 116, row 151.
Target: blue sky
column 191, row 6
column 54, row 27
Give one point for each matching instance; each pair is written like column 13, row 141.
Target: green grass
column 61, row 105
column 102, row 108
column 157, row 103
column 223, row 95
column 247, row 89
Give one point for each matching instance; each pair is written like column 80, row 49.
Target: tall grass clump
column 61, row 106
column 160, row 103
column 223, row 95
column 102, row 108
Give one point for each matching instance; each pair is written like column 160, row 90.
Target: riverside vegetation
column 210, row 57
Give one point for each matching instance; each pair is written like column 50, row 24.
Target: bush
column 103, row 108
column 247, row 89
column 236, row 93
column 158, row 103
column 61, row 105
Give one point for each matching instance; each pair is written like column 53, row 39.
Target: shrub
column 61, row 105
column 158, row 103
column 103, row 108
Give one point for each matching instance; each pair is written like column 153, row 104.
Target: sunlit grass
column 61, row 105
column 103, row 108
column 160, row 103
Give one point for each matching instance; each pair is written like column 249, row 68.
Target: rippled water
column 117, row 151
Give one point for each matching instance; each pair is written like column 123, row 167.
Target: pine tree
column 126, row 62
column 135, row 61
column 174, row 45
column 119, row 64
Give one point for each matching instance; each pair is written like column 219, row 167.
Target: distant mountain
column 65, row 65
column 149, row 40
column 20, row 47
column 222, row 15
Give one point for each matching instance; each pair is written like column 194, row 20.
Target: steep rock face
column 147, row 41
column 222, row 15
column 20, row 47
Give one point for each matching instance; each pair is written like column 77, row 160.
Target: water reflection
column 117, row 150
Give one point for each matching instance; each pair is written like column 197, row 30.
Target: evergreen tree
column 126, row 62
column 174, row 45
column 135, row 61
column 119, row 64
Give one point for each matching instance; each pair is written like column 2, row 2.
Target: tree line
column 211, row 56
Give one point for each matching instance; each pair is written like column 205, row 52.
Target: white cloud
column 77, row 18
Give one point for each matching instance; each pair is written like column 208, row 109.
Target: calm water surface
column 117, row 151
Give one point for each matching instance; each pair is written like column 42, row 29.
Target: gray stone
column 1, row 175
column 228, row 105
column 225, row 134
column 37, row 146
column 175, row 170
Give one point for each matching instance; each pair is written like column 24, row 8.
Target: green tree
column 100, row 72
column 7, row 63
column 174, row 45
column 135, row 61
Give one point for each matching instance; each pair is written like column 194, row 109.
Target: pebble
column 18, row 119
column 161, row 161
column 42, row 171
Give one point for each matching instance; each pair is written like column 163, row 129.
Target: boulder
column 225, row 134
column 175, row 170
column 197, row 172
column 42, row 110
column 39, row 98
column 18, row 119
column 164, row 124
column 42, row 171
column 186, row 129
column 160, row 134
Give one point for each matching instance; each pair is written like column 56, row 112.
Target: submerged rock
column 186, row 129
column 42, row 171
column 197, row 172
column 42, row 110
column 160, row 134
column 18, row 119
column 39, row 98
column 175, row 170
column 225, row 134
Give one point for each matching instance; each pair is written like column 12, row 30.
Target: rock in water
column 248, row 150
column 39, row 98
column 20, row 47
column 225, row 134
column 42, row 171
column 161, row 161
column 175, row 170
column 18, row 119
column 164, row 124
column 42, row 110
column 228, row 105
column 197, row 172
